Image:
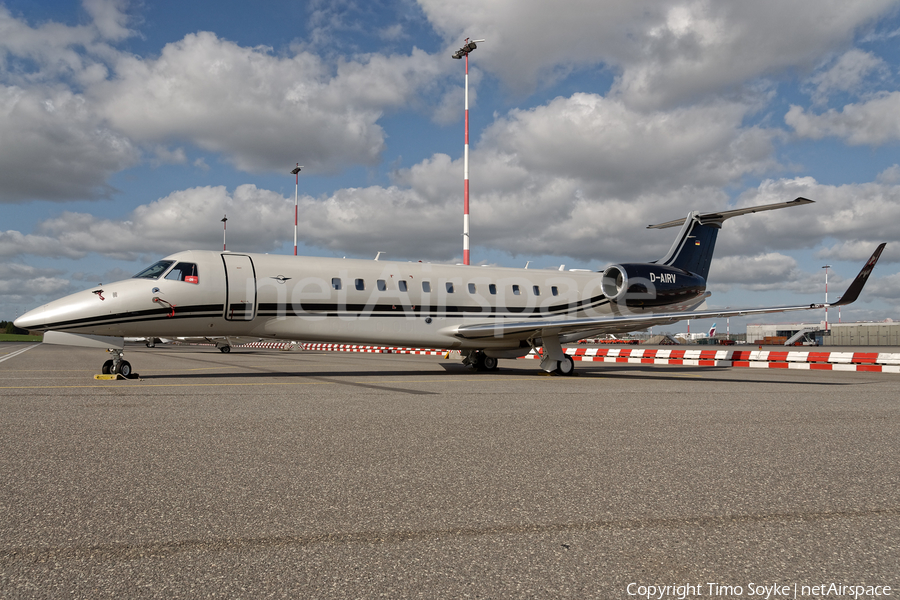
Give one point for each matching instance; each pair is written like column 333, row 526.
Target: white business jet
column 486, row 313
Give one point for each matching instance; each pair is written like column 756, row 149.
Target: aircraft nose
column 65, row 310
column 33, row 319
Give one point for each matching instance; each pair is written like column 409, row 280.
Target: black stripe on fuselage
column 400, row 310
column 269, row 310
column 143, row 316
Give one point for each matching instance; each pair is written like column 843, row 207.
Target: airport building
column 839, row 334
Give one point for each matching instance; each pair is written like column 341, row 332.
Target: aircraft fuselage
column 331, row 300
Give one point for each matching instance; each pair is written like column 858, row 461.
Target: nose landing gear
column 118, row 365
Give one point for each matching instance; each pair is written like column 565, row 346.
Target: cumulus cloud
column 873, row 122
column 186, row 219
column 18, row 281
column 580, row 177
column 850, row 213
column 109, row 17
column 846, row 74
column 887, row 288
column 624, row 152
column 83, row 110
column 61, row 148
column 14, row 243
column 255, row 108
column 665, row 52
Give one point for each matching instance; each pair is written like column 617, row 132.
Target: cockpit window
column 155, row 271
column 184, row 271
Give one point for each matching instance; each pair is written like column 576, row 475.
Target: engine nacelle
column 644, row 285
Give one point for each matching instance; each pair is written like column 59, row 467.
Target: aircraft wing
column 533, row 328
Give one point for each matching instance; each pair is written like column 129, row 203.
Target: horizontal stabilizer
column 727, row 214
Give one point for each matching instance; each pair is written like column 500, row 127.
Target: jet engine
column 641, row 285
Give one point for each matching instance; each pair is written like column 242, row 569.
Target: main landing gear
column 554, row 359
column 117, row 365
column 565, row 367
column 481, row 361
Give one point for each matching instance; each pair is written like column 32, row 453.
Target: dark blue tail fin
column 694, row 246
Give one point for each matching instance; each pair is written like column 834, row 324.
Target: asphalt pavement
column 264, row 473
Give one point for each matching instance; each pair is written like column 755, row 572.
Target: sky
column 128, row 129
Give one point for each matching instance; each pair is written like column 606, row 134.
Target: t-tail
column 694, row 246
column 712, row 331
column 679, row 278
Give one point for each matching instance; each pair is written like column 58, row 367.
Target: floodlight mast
column 464, row 51
column 296, row 173
column 826, row 267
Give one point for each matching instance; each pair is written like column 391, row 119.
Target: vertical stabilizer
column 694, row 246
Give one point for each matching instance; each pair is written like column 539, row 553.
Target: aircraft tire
column 566, row 366
column 490, row 363
column 125, row 368
column 107, row 367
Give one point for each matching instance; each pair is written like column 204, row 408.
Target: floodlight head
column 296, row 170
column 457, row 54
column 471, row 46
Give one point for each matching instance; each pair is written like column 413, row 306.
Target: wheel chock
column 116, row 376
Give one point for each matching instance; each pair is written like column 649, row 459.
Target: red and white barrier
column 704, row 358
column 884, row 362
column 373, row 349
column 269, row 345
column 879, row 362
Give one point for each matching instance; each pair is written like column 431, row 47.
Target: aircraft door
column 240, row 303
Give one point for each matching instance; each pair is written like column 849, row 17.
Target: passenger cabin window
column 449, row 287
column 154, row 271
column 336, row 283
column 426, row 286
column 471, row 288
column 537, row 290
column 381, row 285
column 554, row 290
column 184, row 272
column 402, row 285
column 492, row 288
column 516, row 291
column 360, row 284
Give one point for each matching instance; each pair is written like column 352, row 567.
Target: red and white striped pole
column 296, row 172
column 464, row 51
column 466, row 174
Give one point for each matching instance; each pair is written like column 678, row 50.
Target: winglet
column 856, row 287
